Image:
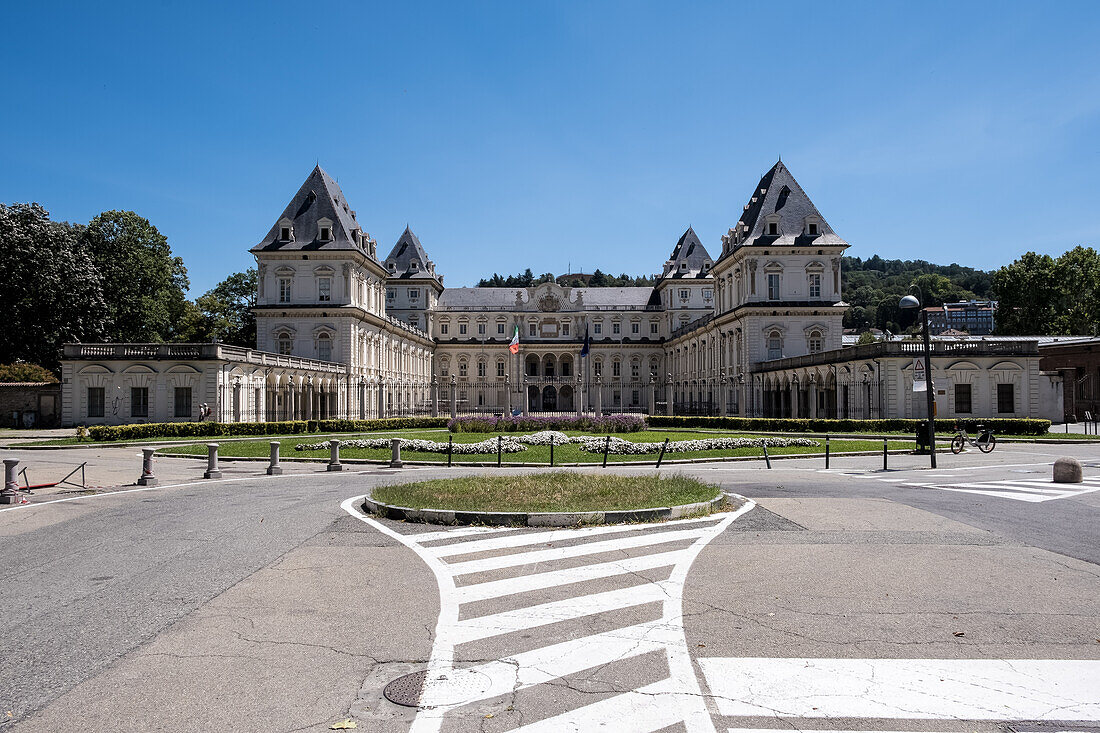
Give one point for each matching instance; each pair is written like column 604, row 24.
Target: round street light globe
column 909, row 302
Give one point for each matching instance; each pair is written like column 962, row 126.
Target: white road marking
column 970, row 689
column 676, row 699
column 1029, row 490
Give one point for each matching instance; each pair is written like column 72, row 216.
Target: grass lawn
column 535, row 453
column 559, row 491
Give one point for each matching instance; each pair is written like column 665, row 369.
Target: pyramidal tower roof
column 319, row 200
column 779, row 200
column 408, row 260
column 689, row 258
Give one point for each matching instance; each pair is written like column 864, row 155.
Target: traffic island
column 559, row 499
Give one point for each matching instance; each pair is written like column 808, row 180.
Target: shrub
column 593, row 423
column 287, row 427
column 944, row 426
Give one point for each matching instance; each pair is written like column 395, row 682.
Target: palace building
column 756, row 331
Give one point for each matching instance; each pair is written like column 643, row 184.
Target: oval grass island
column 558, row 499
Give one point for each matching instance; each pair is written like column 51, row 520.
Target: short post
column 606, row 447
column 395, row 453
column 147, row 477
column 826, row 451
column 212, row 470
column 885, row 459
column 450, row 444
column 500, row 440
column 767, row 458
column 9, row 493
column 662, row 456
column 334, row 456
column 551, row 450
column 274, row 469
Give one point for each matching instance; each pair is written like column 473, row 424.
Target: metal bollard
column 450, row 446
column 662, row 456
column 826, row 451
column 395, row 453
column 551, row 451
column 606, row 448
column 885, row 457
column 9, row 493
column 500, row 440
column 334, row 456
column 212, row 470
column 147, row 477
column 274, row 469
column 767, row 458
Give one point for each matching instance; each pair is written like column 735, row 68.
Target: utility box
column 924, row 442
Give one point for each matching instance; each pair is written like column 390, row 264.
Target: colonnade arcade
column 832, row 391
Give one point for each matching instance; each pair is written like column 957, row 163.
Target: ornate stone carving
column 549, row 303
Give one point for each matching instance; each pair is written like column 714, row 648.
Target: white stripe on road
column 971, row 689
column 554, row 578
column 563, row 553
column 647, row 709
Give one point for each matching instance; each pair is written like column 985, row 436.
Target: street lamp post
column 908, row 303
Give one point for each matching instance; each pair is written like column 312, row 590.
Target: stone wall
column 30, row 405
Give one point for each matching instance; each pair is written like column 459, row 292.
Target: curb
column 539, row 519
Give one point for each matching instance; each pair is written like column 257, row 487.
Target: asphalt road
column 264, row 604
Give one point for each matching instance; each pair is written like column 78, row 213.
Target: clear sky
column 539, row 134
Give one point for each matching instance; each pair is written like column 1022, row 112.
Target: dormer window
column 414, row 265
column 683, row 267
column 706, row 265
column 773, row 229
column 284, row 234
column 812, row 230
column 326, row 234
column 286, row 230
column 324, row 230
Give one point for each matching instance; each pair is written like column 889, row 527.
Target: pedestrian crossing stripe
column 458, row 564
column 1030, row 490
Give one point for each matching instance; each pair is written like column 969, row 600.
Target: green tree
column 25, row 372
column 1028, row 296
column 143, row 284
column 51, row 290
column 225, row 312
column 865, row 338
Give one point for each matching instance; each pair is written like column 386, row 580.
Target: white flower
column 508, row 444
column 621, row 447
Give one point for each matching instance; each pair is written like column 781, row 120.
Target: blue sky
column 539, row 134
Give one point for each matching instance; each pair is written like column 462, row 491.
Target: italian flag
column 514, row 345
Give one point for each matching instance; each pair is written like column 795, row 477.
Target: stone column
column 147, row 477
column 652, row 395
column 526, row 398
column 599, row 398
column 212, row 469
column 381, row 398
column 274, row 469
column 8, row 495
column 454, row 397
column 723, row 396
column 795, row 399
column 670, row 395
column 813, row 399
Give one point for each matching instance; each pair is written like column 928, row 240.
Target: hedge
column 591, row 423
column 288, row 427
column 944, row 426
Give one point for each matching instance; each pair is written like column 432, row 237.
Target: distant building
column 970, row 316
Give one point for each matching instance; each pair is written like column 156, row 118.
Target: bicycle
column 985, row 442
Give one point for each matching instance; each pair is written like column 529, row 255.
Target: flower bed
column 519, row 424
column 489, row 445
column 620, row 447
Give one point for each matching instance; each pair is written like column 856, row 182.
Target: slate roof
column 504, row 299
column 690, row 251
column 319, row 198
column 779, row 193
column 407, row 250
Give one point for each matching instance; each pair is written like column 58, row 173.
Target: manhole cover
column 405, row 690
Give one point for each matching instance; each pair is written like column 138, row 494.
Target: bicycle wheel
column 987, row 442
column 957, row 444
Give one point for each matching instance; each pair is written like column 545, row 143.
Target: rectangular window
column 481, row 369
column 708, row 294
column 653, row 327
column 815, row 286
column 773, row 286
column 284, row 234
column 565, row 329
column 139, row 402
column 566, row 369
column 597, row 369
column 391, row 294
column 597, row 328
column 462, row 329
column 532, row 330
column 500, row 368
column 414, row 293
column 284, row 290
column 616, row 369
column 462, row 369
column 684, row 293
column 634, row 397
column 634, row 369
column 615, row 329
column 324, row 289
column 443, row 328
column 1006, row 398
column 95, row 401
column 962, row 399
column 324, row 349
column 182, row 406
column 481, row 329
column 634, row 328
column 500, row 329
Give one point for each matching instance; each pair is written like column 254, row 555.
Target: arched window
column 775, row 345
column 481, row 369
column 324, row 347
column 815, row 342
column 283, row 342
column 462, row 371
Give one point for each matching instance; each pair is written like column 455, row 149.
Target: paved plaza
column 957, row 599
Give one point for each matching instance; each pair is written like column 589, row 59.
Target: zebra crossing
column 590, row 618
column 1030, row 490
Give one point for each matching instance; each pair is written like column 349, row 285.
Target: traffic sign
column 920, row 379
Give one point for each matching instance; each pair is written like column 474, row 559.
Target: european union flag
column 587, row 343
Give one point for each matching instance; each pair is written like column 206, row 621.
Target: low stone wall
column 30, row 404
